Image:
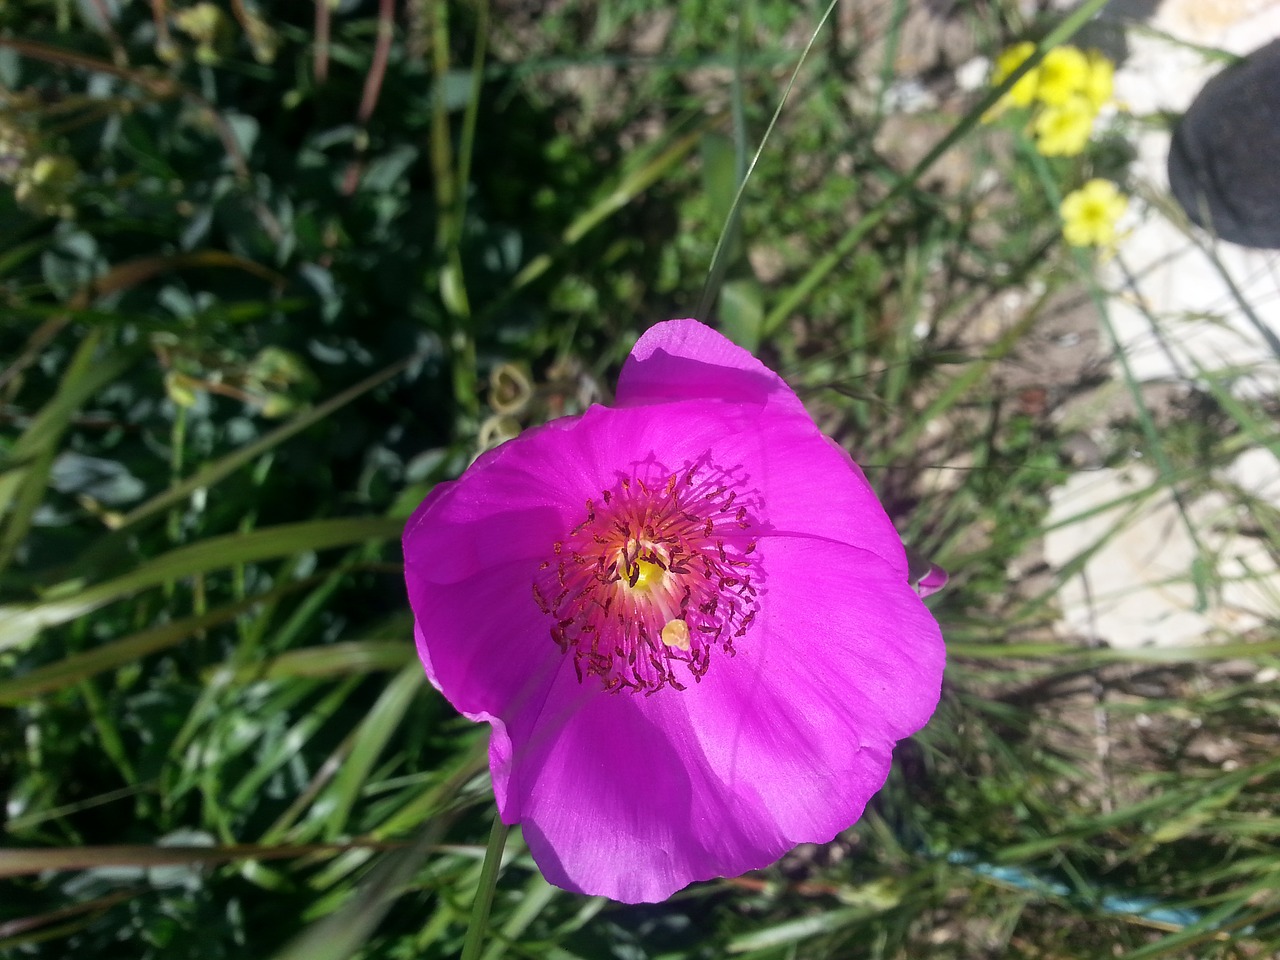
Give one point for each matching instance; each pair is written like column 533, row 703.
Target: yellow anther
column 676, row 634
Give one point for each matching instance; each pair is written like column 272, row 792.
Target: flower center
column 657, row 576
column 644, row 575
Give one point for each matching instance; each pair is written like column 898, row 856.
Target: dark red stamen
column 660, row 576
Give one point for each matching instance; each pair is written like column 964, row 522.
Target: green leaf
column 372, row 736
column 330, row 660
column 22, row 490
column 742, row 311
column 118, row 653
column 21, row 861
column 19, row 623
column 793, row 931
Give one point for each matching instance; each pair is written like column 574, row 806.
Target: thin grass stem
column 479, row 921
column 719, row 258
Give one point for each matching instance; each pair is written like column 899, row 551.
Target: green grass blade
column 372, row 736
column 17, row 862
column 22, row 490
column 20, row 622
column 719, row 256
column 127, row 650
column 210, row 475
column 648, row 169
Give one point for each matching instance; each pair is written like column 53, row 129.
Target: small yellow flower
column 46, row 185
column 203, row 23
column 1023, row 92
column 15, row 147
column 1099, row 86
column 1089, row 214
column 1063, row 131
column 1063, row 74
column 209, row 27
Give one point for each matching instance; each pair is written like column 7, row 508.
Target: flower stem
column 484, row 891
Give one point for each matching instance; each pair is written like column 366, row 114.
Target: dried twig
column 321, row 63
column 372, row 88
column 118, row 52
column 160, row 16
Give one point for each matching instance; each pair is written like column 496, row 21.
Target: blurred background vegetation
column 270, row 271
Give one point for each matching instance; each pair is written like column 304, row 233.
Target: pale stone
column 1136, row 587
column 974, row 74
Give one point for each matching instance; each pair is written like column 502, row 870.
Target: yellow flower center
column 642, row 574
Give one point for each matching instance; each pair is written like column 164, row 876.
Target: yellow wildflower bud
column 45, row 187
column 1089, row 214
column 203, row 22
column 209, row 27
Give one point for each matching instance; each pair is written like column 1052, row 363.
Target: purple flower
column 687, row 618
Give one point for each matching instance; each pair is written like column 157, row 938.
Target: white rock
column 973, row 74
column 1136, row 587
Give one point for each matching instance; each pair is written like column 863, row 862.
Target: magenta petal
column 491, row 658
column 704, row 553
column 781, row 745
column 482, row 639
column 520, row 498
column 686, row 360
column 610, row 806
column 507, row 506
column 811, row 491
column 847, row 658
column 933, row 581
column 813, row 488
column 490, row 655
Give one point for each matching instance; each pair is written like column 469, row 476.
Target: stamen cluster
column 658, row 573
